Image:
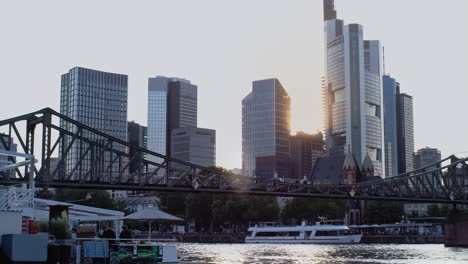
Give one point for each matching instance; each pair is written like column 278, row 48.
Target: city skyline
column 302, row 80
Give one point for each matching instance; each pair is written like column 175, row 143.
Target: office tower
column 422, row 158
column 265, row 130
column 425, row 157
column 172, row 103
column 137, row 136
column 7, row 143
column 353, row 91
column 329, row 12
column 405, row 132
column 99, row 100
column 390, row 88
column 194, row 145
column 305, row 150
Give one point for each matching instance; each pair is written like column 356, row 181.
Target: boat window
column 293, row 234
column 277, row 234
column 307, row 234
column 327, row 233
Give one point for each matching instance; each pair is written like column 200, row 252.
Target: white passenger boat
column 303, row 234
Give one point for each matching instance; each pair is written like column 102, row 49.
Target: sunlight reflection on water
column 323, row 254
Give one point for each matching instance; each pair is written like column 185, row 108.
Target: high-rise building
column 172, row 103
column 422, row 158
column 353, row 91
column 194, row 145
column 99, row 100
column 425, row 157
column 265, row 130
column 137, row 136
column 405, row 132
column 390, row 89
column 7, row 143
column 305, row 150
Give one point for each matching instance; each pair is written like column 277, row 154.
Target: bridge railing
column 75, row 155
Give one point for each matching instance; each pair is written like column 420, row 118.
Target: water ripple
column 321, row 254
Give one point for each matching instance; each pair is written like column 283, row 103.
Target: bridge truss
column 88, row 158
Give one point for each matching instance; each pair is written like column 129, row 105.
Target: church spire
column 350, row 161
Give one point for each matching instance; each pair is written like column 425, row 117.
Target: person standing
column 125, row 234
column 108, row 232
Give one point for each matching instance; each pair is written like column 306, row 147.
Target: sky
column 222, row 46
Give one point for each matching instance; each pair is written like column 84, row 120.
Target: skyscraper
column 194, row 145
column 425, row 157
column 305, row 150
column 422, row 158
column 390, row 89
column 265, row 130
column 405, row 132
column 137, row 136
column 97, row 99
column 172, row 103
column 353, row 91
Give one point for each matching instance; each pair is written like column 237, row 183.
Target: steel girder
column 88, row 158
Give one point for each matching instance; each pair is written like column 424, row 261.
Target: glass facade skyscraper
column 172, row 103
column 265, row 130
column 305, row 150
column 390, row 88
column 425, row 157
column 405, row 132
column 137, row 136
column 194, row 145
column 352, row 91
column 97, row 99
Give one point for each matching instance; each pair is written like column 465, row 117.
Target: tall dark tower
column 329, row 12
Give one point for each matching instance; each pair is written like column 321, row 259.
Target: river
column 323, row 254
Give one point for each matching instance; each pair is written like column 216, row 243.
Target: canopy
column 152, row 213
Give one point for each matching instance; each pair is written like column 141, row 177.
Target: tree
column 383, row 212
column 173, row 203
column 211, row 211
column 94, row 198
column 298, row 209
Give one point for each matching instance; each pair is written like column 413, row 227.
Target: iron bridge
column 88, row 158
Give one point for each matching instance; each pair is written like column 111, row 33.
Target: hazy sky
column 223, row 45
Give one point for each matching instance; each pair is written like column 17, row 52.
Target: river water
column 323, row 254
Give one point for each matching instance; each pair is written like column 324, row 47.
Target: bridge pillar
column 456, row 229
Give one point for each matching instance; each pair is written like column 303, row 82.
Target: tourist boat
column 303, row 234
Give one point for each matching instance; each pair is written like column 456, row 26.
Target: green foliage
column 210, row 211
column 383, row 212
column 99, row 198
column 43, row 227
column 173, row 203
column 59, row 227
column 298, row 209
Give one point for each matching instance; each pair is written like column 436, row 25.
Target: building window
column 338, row 95
column 372, row 110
